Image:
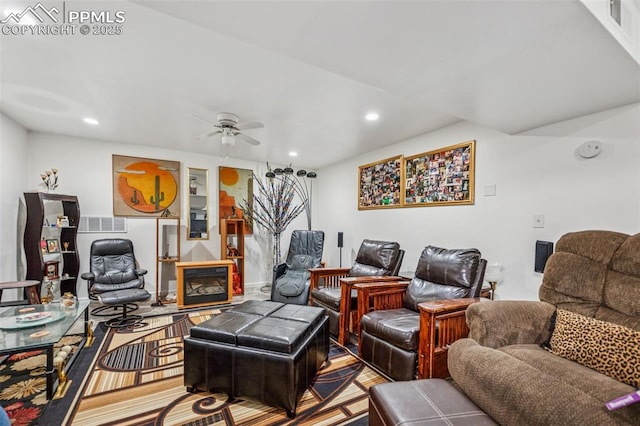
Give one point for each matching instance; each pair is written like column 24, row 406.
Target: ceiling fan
column 228, row 126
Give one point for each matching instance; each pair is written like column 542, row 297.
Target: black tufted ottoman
column 264, row 351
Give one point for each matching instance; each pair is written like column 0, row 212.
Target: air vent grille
column 99, row 224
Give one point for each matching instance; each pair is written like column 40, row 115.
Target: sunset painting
column 235, row 185
column 145, row 187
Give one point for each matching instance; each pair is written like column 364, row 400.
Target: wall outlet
column 538, row 221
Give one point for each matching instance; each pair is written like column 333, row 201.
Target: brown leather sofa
column 374, row 258
column 503, row 367
column 390, row 329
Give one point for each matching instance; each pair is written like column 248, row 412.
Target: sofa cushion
column 330, row 296
column 399, row 327
column 609, row 348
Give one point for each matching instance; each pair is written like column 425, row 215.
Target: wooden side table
column 31, row 290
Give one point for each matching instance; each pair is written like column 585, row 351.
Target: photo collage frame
column 445, row 176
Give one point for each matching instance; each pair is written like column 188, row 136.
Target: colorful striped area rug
column 137, row 379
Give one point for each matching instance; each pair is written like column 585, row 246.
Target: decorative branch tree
column 302, row 183
column 273, row 208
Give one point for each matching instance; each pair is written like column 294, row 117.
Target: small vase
column 68, row 301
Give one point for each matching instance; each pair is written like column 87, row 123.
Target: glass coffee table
column 32, row 327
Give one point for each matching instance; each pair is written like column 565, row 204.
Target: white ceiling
column 310, row 70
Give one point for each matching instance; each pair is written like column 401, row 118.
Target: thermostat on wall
column 589, row 149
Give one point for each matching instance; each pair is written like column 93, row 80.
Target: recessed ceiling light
column 293, row 154
column 91, row 121
column 372, row 116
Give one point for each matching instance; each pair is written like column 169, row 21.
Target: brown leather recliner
column 390, row 334
column 374, row 259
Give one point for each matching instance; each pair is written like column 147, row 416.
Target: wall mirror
column 198, row 224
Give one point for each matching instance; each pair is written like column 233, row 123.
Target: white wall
column 85, row 171
column 537, row 173
column 13, row 157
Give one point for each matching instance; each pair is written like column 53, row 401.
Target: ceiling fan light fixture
column 278, row 171
column 288, row 171
column 270, row 174
column 312, row 175
column 227, row 137
column 301, row 173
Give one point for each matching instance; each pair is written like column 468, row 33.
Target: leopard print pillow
column 609, row 348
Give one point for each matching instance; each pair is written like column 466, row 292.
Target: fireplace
column 204, row 283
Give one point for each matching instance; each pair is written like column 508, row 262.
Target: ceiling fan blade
column 203, row 119
column 206, row 135
column 247, row 139
column 249, row 125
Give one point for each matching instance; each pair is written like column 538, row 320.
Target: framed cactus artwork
column 145, row 187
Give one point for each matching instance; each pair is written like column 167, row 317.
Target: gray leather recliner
column 291, row 279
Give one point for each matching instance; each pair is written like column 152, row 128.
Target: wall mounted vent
column 625, row 17
column 615, row 10
column 99, row 224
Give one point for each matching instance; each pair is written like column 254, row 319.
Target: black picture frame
column 53, row 246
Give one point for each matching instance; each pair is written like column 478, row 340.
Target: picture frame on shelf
column 445, row 176
column 379, row 184
column 62, row 221
column 51, row 271
column 53, row 246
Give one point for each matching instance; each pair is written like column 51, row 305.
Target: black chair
column 115, row 280
column 378, row 259
column 390, row 320
column 291, row 279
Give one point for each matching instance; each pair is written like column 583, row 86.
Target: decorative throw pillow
column 609, row 348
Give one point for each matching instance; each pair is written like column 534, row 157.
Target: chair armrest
column 507, row 322
column 140, row 272
column 279, row 271
column 445, row 306
column 380, row 295
column 89, row 276
column 347, row 317
column 330, row 276
column 442, row 322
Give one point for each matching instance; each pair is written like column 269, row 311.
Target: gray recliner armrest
column 507, row 322
column 279, row 270
column 89, row 276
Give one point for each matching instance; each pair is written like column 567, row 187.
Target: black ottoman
column 264, row 351
column 419, row 402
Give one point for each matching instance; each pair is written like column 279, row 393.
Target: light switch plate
column 489, row 190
